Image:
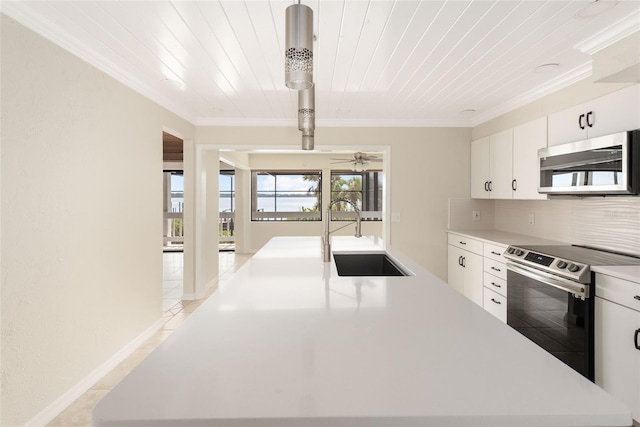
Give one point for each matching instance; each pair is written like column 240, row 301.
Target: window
column 364, row 189
column 227, row 207
column 286, row 196
column 227, row 191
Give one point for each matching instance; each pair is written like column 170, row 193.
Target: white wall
column 427, row 166
column 81, row 219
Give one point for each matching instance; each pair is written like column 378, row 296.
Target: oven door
column 552, row 315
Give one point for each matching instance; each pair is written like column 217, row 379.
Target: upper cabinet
column 615, row 112
column 527, row 140
column 505, row 165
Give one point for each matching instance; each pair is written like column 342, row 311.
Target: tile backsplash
column 606, row 222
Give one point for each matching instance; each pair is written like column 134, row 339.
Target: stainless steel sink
column 367, row 264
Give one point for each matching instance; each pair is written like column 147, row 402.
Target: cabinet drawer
column 495, row 284
column 495, row 304
column 466, row 243
column 494, row 252
column 620, row 291
column 497, row 268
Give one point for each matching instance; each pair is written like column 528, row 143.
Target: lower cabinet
column 495, row 304
column 495, row 281
column 465, row 267
column 617, row 340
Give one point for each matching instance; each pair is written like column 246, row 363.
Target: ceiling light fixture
column 299, row 47
column 545, row 68
column 596, row 8
column 307, row 116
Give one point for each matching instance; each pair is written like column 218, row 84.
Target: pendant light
column 307, row 139
column 307, row 109
column 298, row 68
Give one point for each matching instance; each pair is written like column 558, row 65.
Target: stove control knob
column 573, row 268
column 510, row 250
column 519, row 252
column 562, row 264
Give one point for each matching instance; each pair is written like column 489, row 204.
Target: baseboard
column 201, row 294
column 70, row 396
column 188, row 297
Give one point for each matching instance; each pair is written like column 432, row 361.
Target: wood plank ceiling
column 380, row 62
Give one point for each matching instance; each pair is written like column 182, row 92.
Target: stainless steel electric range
column 550, row 293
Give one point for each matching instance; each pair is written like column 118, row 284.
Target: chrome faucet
column 326, row 244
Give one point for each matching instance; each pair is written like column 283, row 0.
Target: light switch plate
column 476, row 215
column 395, row 216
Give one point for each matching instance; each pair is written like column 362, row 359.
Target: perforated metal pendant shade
column 298, row 67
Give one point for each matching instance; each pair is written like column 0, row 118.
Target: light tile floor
column 175, row 311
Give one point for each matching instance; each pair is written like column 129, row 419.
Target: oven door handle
column 577, row 289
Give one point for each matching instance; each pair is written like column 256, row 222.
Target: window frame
column 370, row 178
column 276, row 215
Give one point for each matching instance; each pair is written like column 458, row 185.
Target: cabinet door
column 480, row 168
column 615, row 112
column 564, row 125
column 455, row 270
column 473, row 277
column 501, row 163
column 611, row 113
column 527, row 140
column 617, row 361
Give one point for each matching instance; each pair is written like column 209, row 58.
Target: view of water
column 285, row 204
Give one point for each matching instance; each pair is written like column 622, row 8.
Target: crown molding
column 616, row 32
column 409, row 123
column 51, row 32
column 567, row 79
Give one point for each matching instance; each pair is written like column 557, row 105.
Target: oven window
column 553, row 319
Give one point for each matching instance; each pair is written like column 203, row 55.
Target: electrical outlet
column 532, row 219
column 476, row 215
column 395, row 216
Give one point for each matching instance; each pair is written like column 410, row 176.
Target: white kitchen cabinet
column 495, row 281
column 527, row 140
column 491, row 166
column 480, row 169
column 495, row 304
column 505, row 165
column 465, row 266
column 617, row 340
column 501, row 163
column 611, row 113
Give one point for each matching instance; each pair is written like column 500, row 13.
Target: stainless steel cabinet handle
column 580, row 117
column 589, row 121
column 496, row 253
column 498, row 302
column 496, row 285
column 494, row 268
column 463, row 243
column 635, row 339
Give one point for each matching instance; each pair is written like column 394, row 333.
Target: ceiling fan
column 359, row 160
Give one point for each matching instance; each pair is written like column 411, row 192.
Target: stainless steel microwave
column 606, row 165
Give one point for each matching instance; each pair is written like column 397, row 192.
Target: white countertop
column 626, row 272
column 289, row 343
column 506, row 238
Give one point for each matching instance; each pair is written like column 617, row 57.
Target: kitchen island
column 288, row 342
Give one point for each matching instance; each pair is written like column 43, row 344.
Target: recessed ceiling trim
column 337, row 123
